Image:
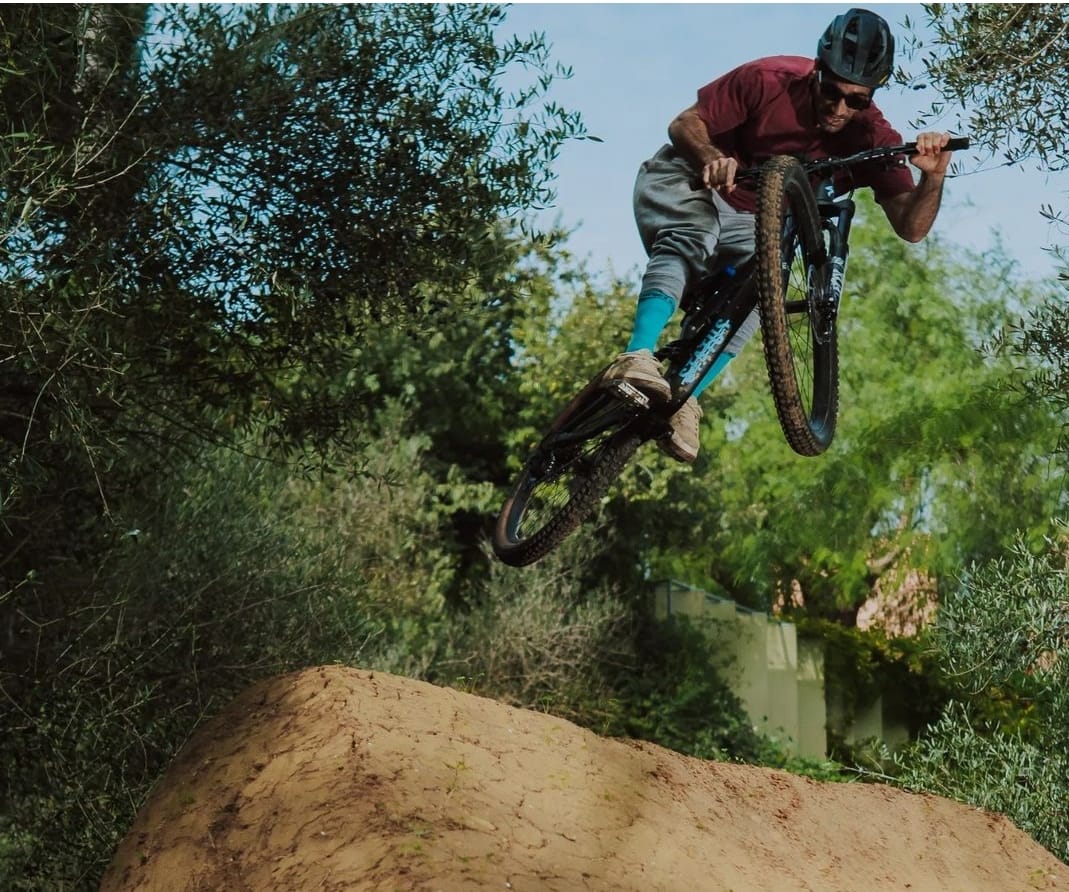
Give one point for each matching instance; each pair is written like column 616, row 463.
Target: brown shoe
column 641, row 370
column 682, row 444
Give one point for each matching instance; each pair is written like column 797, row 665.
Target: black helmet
column 858, row 47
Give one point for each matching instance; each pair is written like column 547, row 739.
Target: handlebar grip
column 957, row 143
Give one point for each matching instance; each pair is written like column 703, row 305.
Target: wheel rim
column 561, row 466
column 806, row 323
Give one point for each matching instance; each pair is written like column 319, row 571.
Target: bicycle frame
column 591, row 440
column 718, row 305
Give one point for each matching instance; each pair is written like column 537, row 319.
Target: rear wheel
column 566, row 475
column 797, row 326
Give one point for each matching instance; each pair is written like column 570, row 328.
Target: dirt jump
column 339, row 779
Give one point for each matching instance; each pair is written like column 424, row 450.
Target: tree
column 206, row 209
column 1002, row 631
column 1001, row 66
column 935, row 461
column 209, row 214
column 1000, row 70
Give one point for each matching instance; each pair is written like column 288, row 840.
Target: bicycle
column 795, row 278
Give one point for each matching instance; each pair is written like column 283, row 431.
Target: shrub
column 1003, row 744
column 539, row 638
column 234, row 571
column 672, row 694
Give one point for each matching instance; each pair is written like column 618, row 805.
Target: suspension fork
column 837, row 215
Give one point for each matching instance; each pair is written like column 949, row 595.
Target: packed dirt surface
column 338, row 779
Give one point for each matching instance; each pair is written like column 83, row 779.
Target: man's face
column 836, row 101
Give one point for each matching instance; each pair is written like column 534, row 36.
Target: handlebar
column 826, row 165
column 823, row 165
column 956, row 144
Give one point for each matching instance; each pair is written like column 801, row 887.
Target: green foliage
column 1003, row 632
column 235, row 570
column 1003, row 66
column 936, row 460
column 1001, row 771
column 1000, row 69
column 540, row 638
column 227, row 208
column 674, row 696
column 671, row 691
column 863, row 664
column 1043, row 337
column 576, row 330
column 1003, row 638
column 209, row 216
column 229, row 572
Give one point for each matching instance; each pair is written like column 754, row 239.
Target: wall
column 778, row 678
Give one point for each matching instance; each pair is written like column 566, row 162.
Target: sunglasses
column 830, row 91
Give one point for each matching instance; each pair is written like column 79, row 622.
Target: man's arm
column 689, row 134
column 912, row 214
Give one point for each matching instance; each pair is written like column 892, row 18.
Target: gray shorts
column 687, row 232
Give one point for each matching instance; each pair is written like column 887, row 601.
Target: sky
column 636, row 65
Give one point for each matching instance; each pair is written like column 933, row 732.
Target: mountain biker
column 780, row 105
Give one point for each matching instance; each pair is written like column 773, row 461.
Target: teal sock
column 717, row 367
column 654, row 310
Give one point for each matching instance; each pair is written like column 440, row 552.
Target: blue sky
column 636, row 65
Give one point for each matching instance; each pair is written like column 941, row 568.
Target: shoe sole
column 672, row 451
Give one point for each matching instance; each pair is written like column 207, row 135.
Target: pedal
column 629, row 394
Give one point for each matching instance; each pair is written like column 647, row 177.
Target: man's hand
column 720, row 174
column 912, row 213
column 690, row 136
column 930, row 158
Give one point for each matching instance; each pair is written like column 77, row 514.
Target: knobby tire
column 800, row 345
column 560, row 486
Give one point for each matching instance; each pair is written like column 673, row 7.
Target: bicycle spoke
column 798, row 305
column 557, row 472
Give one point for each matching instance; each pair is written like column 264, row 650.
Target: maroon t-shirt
column 765, row 108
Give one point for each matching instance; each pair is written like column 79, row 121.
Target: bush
column 240, row 571
column 671, row 694
column 1003, row 744
column 543, row 637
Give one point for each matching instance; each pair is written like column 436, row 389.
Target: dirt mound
column 339, row 779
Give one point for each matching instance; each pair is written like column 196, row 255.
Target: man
column 782, row 105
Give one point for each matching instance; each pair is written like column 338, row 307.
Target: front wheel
column 797, row 327
column 566, row 475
